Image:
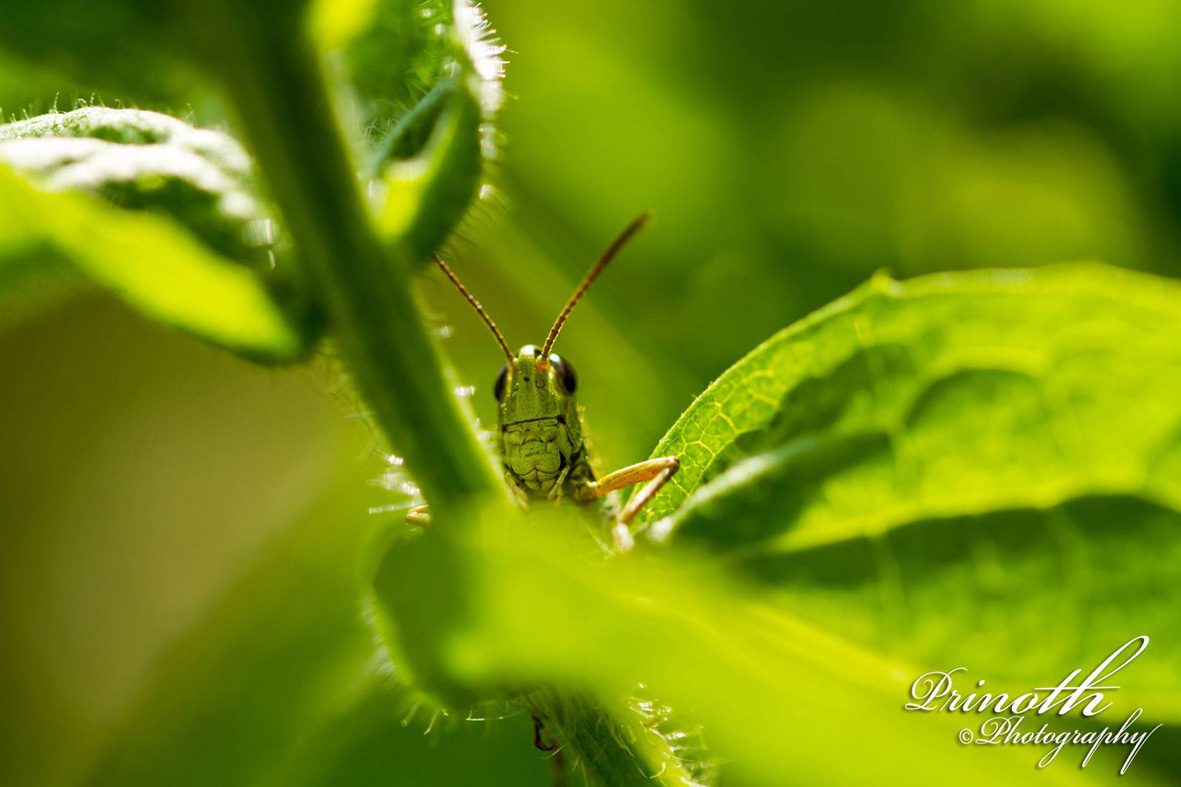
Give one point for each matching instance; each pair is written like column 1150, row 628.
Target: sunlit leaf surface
column 904, row 466
column 150, row 262
column 182, row 235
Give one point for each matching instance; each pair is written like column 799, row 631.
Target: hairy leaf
column 429, row 162
column 394, row 56
column 398, row 51
column 152, row 264
column 425, row 196
column 144, row 160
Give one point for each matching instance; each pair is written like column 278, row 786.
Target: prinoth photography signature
column 1009, row 724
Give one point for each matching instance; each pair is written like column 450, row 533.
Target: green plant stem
column 364, row 285
column 609, row 748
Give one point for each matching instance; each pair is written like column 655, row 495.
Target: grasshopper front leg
column 656, row 472
column 419, row 515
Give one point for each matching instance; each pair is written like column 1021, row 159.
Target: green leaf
column 427, row 195
column 152, row 264
column 395, row 52
column 636, row 742
column 887, row 327
column 903, row 466
column 526, row 604
column 430, row 162
column 148, row 161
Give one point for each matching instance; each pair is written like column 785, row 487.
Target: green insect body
column 542, row 438
column 541, row 429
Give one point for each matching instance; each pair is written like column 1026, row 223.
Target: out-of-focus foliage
column 149, row 261
column 426, row 195
column 142, row 160
column 273, row 649
column 775, row 694
column 145, row 161
column 190, row 243
column 186, row 543
column 790, row 149
column 425, row 79
column 179, row 575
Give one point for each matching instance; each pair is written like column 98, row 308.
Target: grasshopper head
column 531, row 388
column 536, row 384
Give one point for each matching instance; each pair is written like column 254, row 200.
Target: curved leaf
column 779, row 699
column 906, row 464
column 430, row 163
column 859, row 358
column 153, row 265
column 427, row 195
column 144, row 160
column 395, row 52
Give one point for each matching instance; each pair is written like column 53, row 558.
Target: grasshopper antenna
column 619, row 243
column 475, row 305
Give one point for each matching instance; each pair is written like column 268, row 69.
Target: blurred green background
column 181, row 533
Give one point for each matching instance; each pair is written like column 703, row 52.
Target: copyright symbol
column 966, row 735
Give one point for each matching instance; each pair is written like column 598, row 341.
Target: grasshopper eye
column 501, row 379
column 565, row 373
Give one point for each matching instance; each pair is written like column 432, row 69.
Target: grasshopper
column 540, row 428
